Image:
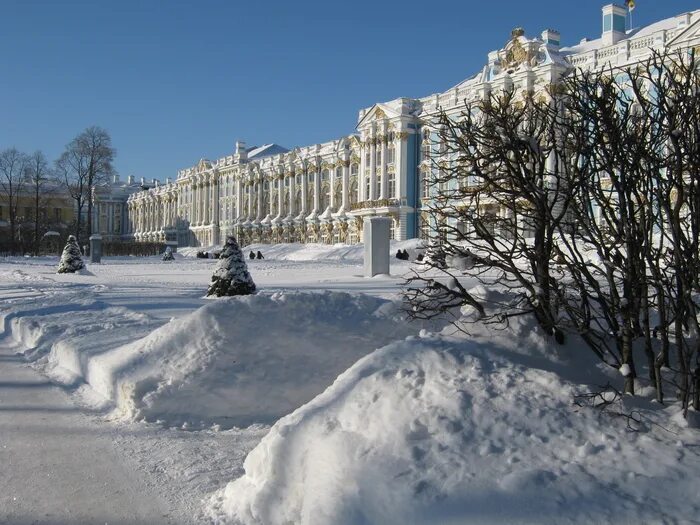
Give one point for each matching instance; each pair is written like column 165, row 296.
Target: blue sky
column 174, row 81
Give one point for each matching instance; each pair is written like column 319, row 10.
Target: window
column 392, row 231
column 325, row 196
column 367, row 159
column 353, row 195
column 378, row 190
column 368, row 181
column 309, row 205
column 390, row 155
column 297, row 202
column 391, row 186
column 425, row 186
column 353, row 189
column 338, row 194
column 424, row 228
column 378, row 157
column 425, row 146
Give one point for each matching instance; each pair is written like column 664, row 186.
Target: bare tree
column 97, row 147
column 584, row 206
column 72, row 168
column 497, row 206
column 13, row 166
column 39, row 176
column 86, row 162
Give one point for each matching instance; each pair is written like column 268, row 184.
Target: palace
column 322, row 193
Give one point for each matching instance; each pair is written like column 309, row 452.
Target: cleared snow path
column 57, row 465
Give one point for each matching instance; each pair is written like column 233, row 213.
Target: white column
column 292, row 194
column 382, row 170
column 215, row 203
column 317, row 190
column 304, row 191
column 401, row 177
column 239, row 199
column 346, row 184
column 331, row 185
column 280, row 196
column 372, row 171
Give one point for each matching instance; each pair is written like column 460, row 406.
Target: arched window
column 272, row 196
column 353, row 188
column 266, row 203
column 338, row 193
column 353, row 192
column 297, row 201
column 325, row 197
column 309, row 205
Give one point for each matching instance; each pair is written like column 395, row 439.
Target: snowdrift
column 436, row 430
column 233, row 362
column 314, row 252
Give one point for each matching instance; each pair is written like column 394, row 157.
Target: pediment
column 377, row 112
column 692, row 32
column 203, row 165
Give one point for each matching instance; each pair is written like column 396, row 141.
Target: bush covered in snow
column 231, row 275
column 71, row 260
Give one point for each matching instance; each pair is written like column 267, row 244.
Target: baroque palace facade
column 322, row 193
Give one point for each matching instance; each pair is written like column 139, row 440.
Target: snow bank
column 313, row 252
column 439, row 430
column 237, row 361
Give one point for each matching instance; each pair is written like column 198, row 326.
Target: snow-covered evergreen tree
column 168, row 254
column 71, row 260
column 231, row 275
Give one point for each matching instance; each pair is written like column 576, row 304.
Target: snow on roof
column 266, row 150
column 589, row 45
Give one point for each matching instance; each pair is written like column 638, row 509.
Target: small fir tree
column 168, row 254
column 231, row 275
column 71, row 260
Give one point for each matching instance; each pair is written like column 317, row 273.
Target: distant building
column 321, row 193
column 56, row 213
column 110, row 217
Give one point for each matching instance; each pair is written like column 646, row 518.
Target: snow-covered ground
column 353, row 415
column 133, row 340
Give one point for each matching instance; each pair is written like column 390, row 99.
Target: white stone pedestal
column 95, row 248
column 377, row 231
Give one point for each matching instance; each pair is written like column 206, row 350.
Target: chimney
column 552, row 38
column 614, row 24
column 168, row 180
column 241, row 152
column 143, row 181
column 130, row 179
column 115, row 179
